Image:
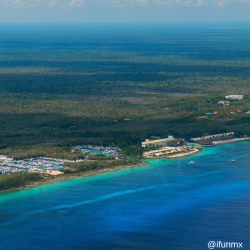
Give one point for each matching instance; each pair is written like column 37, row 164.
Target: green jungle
column 114, row 87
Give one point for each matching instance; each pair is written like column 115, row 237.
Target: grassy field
column 118, row 87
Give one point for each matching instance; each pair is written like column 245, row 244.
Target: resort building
column 163, row 151
column 155, row 137
column 205, row 143
column 160, row 142
column 214, row 137
column 235, row 97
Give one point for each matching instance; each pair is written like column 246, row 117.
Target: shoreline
column 72, row 176
column 193, row 152
column 106, row 170
column 196, row 150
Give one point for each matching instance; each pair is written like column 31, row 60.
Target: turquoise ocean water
column 167, row 204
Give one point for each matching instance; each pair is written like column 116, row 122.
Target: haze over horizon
column 123, row 10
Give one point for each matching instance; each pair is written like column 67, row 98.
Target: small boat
column 191, row 162
column 232, row 160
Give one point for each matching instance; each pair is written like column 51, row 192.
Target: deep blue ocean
column 167, row 204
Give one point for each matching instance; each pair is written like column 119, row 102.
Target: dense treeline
column 61, row 152
column 134, row 151
column 83, row 166
column 17, row 180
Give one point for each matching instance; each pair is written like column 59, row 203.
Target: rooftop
column 212, row 136
column 160, row 140
column 237, row 97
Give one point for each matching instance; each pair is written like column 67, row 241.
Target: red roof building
column 155, row 137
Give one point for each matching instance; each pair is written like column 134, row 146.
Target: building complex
column 159, row 142
column 235, row 97
column 214, row 137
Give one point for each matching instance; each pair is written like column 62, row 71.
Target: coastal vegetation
column 71, row 169
column 133, row 151
column 17, row 180
column 83, row 166
column 118, row 87
column 20, row 152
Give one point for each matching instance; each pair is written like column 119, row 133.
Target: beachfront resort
column 155, row 147
column 168, row 147
column 171, row 147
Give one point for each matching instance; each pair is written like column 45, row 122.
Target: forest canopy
column 118, row 87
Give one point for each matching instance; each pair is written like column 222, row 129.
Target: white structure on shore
column 214, row 137
column 236, row 97
column 5, row 158
column 160, row 142
column 163, row 151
